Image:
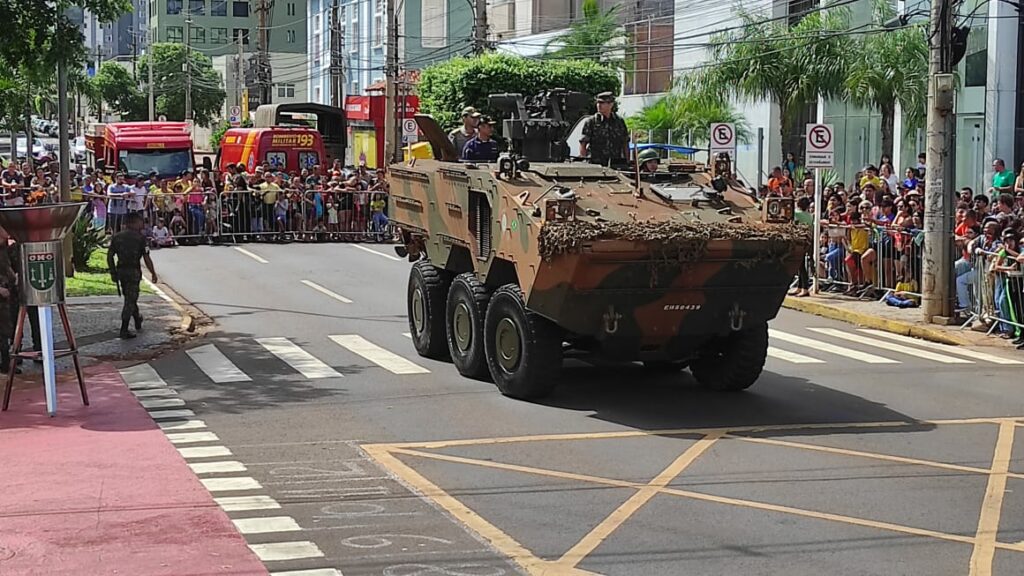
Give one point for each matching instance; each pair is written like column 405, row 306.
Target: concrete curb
column 868, row 321
column 188, row 320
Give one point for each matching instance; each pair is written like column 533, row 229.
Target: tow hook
column 736, row 317
column 611, row 320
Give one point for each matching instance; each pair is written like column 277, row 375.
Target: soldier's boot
column 138, row 321
column 126, row 334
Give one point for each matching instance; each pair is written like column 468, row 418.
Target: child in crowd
column 161, row 236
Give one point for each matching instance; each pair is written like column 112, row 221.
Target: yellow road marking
column 613, row 521
column 985, row 542
column 991, row 508
column 431, row 444
column 873, row 455
column 499, row 539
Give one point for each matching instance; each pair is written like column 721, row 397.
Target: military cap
column 648, row 155
column 469, row 111
column 487, row 120
column 606, row 97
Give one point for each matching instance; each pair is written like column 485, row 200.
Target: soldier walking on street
column 129, row 246
column 605, row 136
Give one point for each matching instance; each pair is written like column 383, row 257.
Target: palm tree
column 591, row 38
column 687, row 112
column 890, row 67
column 791, row 66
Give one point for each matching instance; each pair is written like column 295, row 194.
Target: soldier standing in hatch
column 130, row 246
column 462, row 134
column 605, row 136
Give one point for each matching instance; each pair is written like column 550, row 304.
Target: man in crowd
column 482, row 148
column 462, row 134
column 605, row 136
column 1002, row 179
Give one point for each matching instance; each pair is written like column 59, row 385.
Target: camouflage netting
column 686, row 239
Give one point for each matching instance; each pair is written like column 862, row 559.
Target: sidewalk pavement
column 100, row 490
column 874, row 314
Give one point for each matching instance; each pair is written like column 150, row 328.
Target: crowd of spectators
column 872, row 238
column 264, row 204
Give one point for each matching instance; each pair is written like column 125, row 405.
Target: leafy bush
column 446, row 88
column 84, row 241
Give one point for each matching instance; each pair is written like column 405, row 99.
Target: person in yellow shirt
column 269, row 190
column 871, row 177
column 858, row 241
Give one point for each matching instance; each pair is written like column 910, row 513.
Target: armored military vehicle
column 521, row 261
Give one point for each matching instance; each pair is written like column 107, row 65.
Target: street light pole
column 937, row 273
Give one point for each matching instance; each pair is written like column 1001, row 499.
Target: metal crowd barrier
column 893, row 256
column 996, row 297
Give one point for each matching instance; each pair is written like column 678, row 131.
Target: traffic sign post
column 820, row 153
column 820, row 146
column 409, row 131
column 235, row 116
column 723, row 139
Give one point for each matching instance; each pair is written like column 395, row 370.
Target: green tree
column 686, row 112
column 169, row 83
column 41, row 32
column 115, row 86
column 592, row 37
column 447, row 87
column 218, row 133
column 890, row 67
column 789, row 65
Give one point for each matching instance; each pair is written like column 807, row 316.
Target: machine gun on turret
column 537, row 126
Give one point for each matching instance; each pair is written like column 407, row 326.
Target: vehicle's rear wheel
column 524, row 350
column 467, row 308
column 736, row 362
column 428, row 289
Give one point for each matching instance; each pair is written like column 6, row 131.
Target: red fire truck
column 139, row 148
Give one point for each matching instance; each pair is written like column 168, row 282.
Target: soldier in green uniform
column 8, row 295
column 129, row 246
column 605, row 136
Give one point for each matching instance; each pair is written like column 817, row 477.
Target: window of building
column 342, row 22
column 173, row 7
column 219, row 8
column 434, row 23
column 975, row 66
column 378, row 27
column 218, row 35
column 290, row 36
column 197, row 35
column 316, row 95
column 197, row 7
column 286, row 90
column 240, row 9
column 243, row 31
column 316, row 49
column 291, row 8
column 649, row 56
column 174, row 34
column 354, row 38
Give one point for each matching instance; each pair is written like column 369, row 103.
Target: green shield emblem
column 42, row 270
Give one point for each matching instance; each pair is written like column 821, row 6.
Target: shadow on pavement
column 632, row 396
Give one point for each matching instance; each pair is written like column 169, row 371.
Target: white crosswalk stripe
column 303, row 362
column 385, row 359
column 280, row 551
column 313, row 572
column 217, row 467
column 831, row 348
column 793, row 357
column 247, row 503
column 216, row 365
column 141, row 376
column 866, row 341
column 267, row 525
column 969, row 352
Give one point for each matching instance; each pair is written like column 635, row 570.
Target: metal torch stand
column 48, row 354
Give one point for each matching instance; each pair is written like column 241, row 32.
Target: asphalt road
column 862, row 456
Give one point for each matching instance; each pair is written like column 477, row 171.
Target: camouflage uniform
column 129, row 246
column 606, row 138
column 8, row 281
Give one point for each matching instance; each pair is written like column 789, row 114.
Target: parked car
column 38, row 149
column 78, row 148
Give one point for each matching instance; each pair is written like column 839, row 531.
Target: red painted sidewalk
column 100, row 490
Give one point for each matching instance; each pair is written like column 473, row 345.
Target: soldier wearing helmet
column 648, row 160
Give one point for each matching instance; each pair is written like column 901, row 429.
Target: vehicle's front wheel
column 524, row 350
column 736, row 362
column 428, row 289
column 467, row 308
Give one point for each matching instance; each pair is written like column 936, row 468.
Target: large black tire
column 524, row 350
column 428, row 289
column 736, row 363
column 466, row 310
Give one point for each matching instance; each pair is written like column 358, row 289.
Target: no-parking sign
column 821, row 146
column 723, row 139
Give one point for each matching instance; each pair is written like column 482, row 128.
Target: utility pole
column 391, row 147
column 337, row 46
column 937, row 275
column 479, row 26
column 188, row 66
column 263, row 50
column 150, row 63
column 239, row 75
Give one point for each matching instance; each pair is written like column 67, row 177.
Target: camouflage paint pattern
column 634, row 297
